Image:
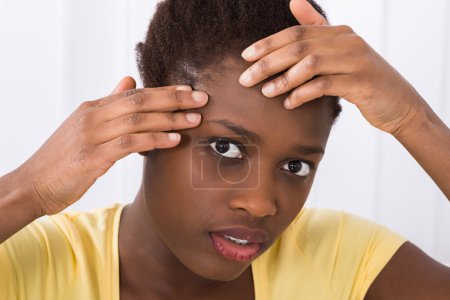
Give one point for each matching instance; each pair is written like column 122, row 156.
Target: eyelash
column 241, row 148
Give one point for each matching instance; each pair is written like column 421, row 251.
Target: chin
column 223, row 271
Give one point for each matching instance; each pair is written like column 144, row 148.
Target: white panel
column 99, row 55
column 364, row 16
column 95, row 61
column 347, row 178
column 95, row 48
column 30, row 72
column 415, row 43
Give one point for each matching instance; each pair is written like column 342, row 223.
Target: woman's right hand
column 101, row 132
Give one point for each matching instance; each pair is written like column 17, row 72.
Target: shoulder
column 57, row 246
column 71, row 229
column 320, row 227
column 343, row 251
column 344, row 239
column 75, row 225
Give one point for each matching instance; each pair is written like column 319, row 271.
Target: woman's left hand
column 332, row 60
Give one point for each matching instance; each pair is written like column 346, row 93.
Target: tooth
column 235, row 240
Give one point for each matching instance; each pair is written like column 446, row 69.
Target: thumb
column 127, row 83
column 305, row 13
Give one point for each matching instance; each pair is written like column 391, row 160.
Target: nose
column 258, row 202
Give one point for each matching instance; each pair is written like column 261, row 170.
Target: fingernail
column 193, row 117
column 174, row 136
column 245, row 78
column 199, row 97
column 249, row 52
column 268, row 89
column 184, row 88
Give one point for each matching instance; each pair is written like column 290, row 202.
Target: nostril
column 256, row 206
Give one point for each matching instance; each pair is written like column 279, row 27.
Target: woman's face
column 243, row 174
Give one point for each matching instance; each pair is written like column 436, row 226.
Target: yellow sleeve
column 28, row 267
column 349, row 251
column 70, row 256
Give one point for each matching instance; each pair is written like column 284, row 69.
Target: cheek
column 165, row 186
column 293, row 194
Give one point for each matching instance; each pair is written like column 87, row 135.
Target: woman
column 219, row 213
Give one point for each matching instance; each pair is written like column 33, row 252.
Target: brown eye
column 226, row 148
column 297, row 167
column 222, row 146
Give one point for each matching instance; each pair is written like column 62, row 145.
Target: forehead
column 249, row 108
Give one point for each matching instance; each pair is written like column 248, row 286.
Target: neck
column 147, row 266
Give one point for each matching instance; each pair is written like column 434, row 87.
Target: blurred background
column 55, row 54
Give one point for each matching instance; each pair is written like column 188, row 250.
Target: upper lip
column 244, row 233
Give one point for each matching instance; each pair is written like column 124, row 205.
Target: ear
column 305, row 13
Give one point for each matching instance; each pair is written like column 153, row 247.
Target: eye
column 226, row 148
column 298, row 167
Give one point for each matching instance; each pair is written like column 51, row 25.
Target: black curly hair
column 185, row 37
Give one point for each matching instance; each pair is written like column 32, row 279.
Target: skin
column 186, row 259
column 138, row 120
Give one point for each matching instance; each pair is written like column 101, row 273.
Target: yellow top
column 323, row 254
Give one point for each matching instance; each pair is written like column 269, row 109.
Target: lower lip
column 233, row 251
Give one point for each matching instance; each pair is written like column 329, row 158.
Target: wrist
column 19, row 195
column 419, row 119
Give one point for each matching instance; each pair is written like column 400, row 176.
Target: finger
column 288, row 36
column 309, row 67
column 286, row 57
column 126, row 83
column 305, row 13
column 327, row 85
column 122, row 94
column 146, row 122
column 155, row 100
column 122, row 146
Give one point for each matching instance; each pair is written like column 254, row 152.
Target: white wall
column 55, row 54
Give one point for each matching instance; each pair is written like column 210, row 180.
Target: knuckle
column 86, row 105
column 312, row 61
column 135, row 98
column 263, row 66
column 134, row 119
column 345, row 29
column 84, row 121
column 263, row 45
column 299, row 49
column 283, row 82
column 125, row 141
column 324, row 83
column 298, row 32
column 152, row 140
column 358, row 41
column 129, row 93
column 171, row 118
column 178, row 97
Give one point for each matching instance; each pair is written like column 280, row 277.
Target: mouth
column 241, row 245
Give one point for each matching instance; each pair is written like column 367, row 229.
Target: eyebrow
column 255, row 138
